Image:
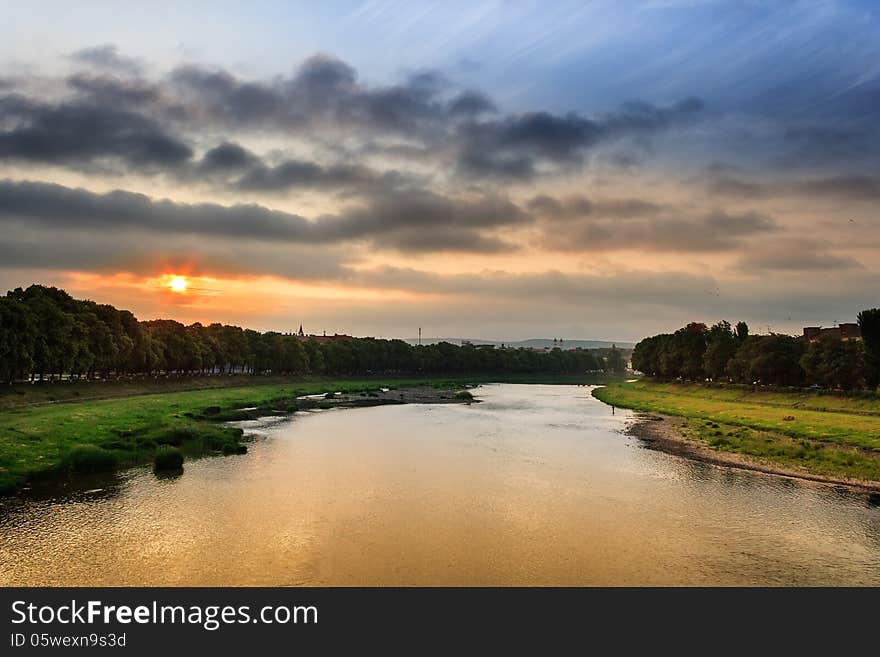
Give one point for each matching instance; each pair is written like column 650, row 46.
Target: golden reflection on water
column 535, row 486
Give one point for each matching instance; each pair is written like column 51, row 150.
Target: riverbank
column 42, row 438
column 83, row 437
column 809, row 436
column 53, row 392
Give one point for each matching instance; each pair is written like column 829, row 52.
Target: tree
column 721, row 345
column 869, row 325
column 615, row 361
column 770, row 359
column 17, row 331
column 687, row 350
column 834, row 363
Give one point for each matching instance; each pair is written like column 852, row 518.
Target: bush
column 230, row 449
column 89, row 458
column 464, row 394
column 177, row 436
column 167, row 458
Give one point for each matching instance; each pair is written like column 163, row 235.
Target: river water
column 536, row 485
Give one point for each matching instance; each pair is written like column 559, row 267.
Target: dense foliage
column 721, row 353
column 45, row 333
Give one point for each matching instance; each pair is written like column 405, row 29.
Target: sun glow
column 178, row 284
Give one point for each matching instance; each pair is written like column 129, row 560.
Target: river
column 536, row 485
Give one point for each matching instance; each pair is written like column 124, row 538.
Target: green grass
column 41, row 439
column 822, row 434
column 20, row 394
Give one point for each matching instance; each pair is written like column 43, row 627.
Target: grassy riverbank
column 51, row 428
column 825, row 435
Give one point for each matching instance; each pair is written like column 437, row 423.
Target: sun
column 178, row 284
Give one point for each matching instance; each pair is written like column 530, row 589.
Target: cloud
column 78, row 134
column 413, row 220
column 110, row 90
column 107, row 57
column 231, row 166
column 515, row 146
column 148, row 254
column 577, row 223
column 674, row 233
column 299, row 173
column 323, row 90
column 421, row 220
column 795, row 256
column 841, row 187
column 853, row 187
column 113, row 115
column 227, row 157
column 814, row 145
column 471, row 103
column 58, row 207
column 577, row 206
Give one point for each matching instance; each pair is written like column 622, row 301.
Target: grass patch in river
column 168, row 459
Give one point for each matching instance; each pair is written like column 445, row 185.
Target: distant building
column 468, row 343
column 846, row 331
column 301, row 335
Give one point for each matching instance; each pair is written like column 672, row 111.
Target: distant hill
column 537, row 343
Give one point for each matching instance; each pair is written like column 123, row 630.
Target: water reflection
column 537, row 485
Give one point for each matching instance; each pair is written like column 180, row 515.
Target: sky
column 498, row 170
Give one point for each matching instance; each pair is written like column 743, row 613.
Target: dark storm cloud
column 407, row 221
column 230, row 165
column 78, row 134
column 323, row 89
column 107, row 57
column 326, row 92
column 115, row 113
column 471, row 103
column 113, row 91
column 514, row 146
column 57, row 207
column 228, row 157
column 714, row 232
column 299, row 173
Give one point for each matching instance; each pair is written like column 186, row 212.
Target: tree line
column 722, row 352
column 47, row 334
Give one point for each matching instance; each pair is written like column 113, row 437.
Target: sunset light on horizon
column 599, row 183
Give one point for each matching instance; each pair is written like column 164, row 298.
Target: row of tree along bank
column 724, row 353
column 47, row 334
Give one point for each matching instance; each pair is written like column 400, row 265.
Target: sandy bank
column 667, row 434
